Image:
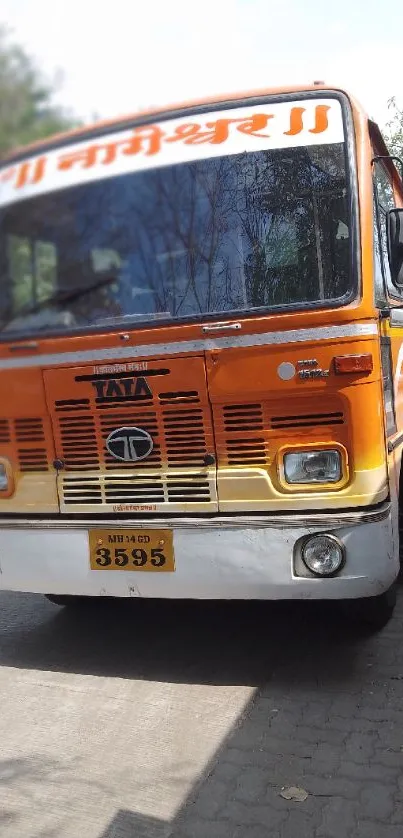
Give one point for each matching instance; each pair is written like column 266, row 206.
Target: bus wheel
column 67, row 600
column 374, row 612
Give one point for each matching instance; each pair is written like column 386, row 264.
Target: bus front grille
column 117, row 492
column 95, row 409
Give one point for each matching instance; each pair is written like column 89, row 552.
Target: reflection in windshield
column 42, row 309
column 231, row 234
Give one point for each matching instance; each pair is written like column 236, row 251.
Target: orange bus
column 201, row 356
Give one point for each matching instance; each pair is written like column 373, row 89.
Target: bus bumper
column 220, row 558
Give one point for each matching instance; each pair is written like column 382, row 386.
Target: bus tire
column 374, row 613
column 67, row 600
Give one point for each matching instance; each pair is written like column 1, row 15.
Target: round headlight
column 323, row 554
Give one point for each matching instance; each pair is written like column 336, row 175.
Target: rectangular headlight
column 3, row 478
column 313, row 466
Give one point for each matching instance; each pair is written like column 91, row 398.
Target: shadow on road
column 175, row 641
column 132, row 825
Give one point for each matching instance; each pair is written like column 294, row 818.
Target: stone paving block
column 226, row 771
column 244, row 815
column 256, row 831
column 326, row 759
column 300, row 825
column 316, row 735
column 388, row 758
column 339, row 818
column 251, row 785
column 373, row 772
column 201, row 828
column 371, row 829
column 333, row 786
column 377, row 802
column 212, row 798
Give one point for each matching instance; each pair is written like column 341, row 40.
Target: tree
column 26, row 110
column 394, row 128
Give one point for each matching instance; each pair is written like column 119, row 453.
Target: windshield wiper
column 65, row 296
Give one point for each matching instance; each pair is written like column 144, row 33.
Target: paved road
column 145, row 720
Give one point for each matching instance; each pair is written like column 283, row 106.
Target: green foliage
column 26, row 110
column 394, row 128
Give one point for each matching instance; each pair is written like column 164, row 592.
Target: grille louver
column 4, row 431
column 243, row 417
column 34, row 459
column 31, row 457
column 182, row 397
column 243, row 445
column 136, row 489
column 84, row 490
column 184, row 437
column 68, row 405
column 247, row 452
column 246, row 432
column 24, row 435
column 29, row 430
column 307, row 420
column 79, row 448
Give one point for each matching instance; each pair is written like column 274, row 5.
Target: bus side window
column 384, row 201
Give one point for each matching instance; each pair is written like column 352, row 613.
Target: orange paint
column 23, row 173
column 146, row 140
column 86, row 157
column 296, row 123
column 30, row 172
column 321, row 120
column 38, row 170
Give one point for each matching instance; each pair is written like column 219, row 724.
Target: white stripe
column 150, row 147
column 350, row 330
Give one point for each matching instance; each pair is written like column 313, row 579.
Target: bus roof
column 125, row 121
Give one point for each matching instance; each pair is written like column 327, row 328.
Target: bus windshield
column 250, row 232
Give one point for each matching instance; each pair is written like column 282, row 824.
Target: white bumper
column 226, row 559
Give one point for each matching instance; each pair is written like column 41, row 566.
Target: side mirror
column 395, row 245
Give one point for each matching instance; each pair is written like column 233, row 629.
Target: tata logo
column 129, row 444
column 136, row 388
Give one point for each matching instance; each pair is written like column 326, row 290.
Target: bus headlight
column 323, row 555
column 323, row 466
column 6, row 478
column 3, row 478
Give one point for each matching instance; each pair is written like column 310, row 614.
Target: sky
column 113, row 57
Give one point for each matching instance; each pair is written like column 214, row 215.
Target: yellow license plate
column 150, row 550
